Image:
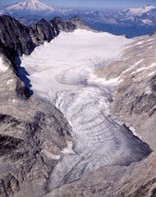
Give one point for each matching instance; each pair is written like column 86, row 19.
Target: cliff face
column 15, row 36
column 32, row 131
column 21, row 39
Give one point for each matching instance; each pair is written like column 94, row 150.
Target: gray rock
column 32, row 134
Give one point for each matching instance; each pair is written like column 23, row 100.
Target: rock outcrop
column 15, row 36
column 17, row 39
column 134, row 100
column 22, row 39
column 33, row 134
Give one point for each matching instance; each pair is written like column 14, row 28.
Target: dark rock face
column 15, row 35
column 17, row 39
column 22, row 39
column 68, row 25
column 43, row 31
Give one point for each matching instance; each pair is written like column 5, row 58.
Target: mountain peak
column 141, row 10
column 32, row 6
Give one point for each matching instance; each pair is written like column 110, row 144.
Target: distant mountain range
column 131, row 22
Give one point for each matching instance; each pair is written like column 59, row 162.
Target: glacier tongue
column 98, row 139
column 61, row 72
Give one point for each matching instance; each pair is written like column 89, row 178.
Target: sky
column 100, row 4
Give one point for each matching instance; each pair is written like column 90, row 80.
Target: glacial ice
column 63, row 72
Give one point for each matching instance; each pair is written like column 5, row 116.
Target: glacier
column 63, row 71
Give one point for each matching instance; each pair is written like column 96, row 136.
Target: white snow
column 30, row 5
column 50, row 155
column 140, row 11
column 94, row 79
column 68, row 149
column 10, row 81
column 70, row 59
column 151, row 74
column 3, row 67
column 64, row 72
column 132, row 67
column 144, row 68
column 147, row 21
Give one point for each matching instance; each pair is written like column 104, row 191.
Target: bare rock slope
column 134, row 100
column 32, row 135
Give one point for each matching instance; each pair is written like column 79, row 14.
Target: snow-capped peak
column 30, row 6
column 141, row 10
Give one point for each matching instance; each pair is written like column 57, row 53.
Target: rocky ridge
column 17, row 39
column 21, row 39
column 33, row 133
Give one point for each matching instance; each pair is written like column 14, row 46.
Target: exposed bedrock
column 134, row 101
column 23, row 39
column 33, row 135
column 17, row 39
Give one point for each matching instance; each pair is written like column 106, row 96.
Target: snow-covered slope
column 30, row 6
column 70, row 58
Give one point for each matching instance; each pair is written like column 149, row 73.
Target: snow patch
column 10, row 81
column 3, row 67
column 93, row 79
column 31, row 6
column 132, row 67
column 140, row 11
column 147, row 21
column 68, row 149
column 144, row 68
column 50, row 155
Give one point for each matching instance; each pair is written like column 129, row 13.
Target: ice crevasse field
column 62, row 71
